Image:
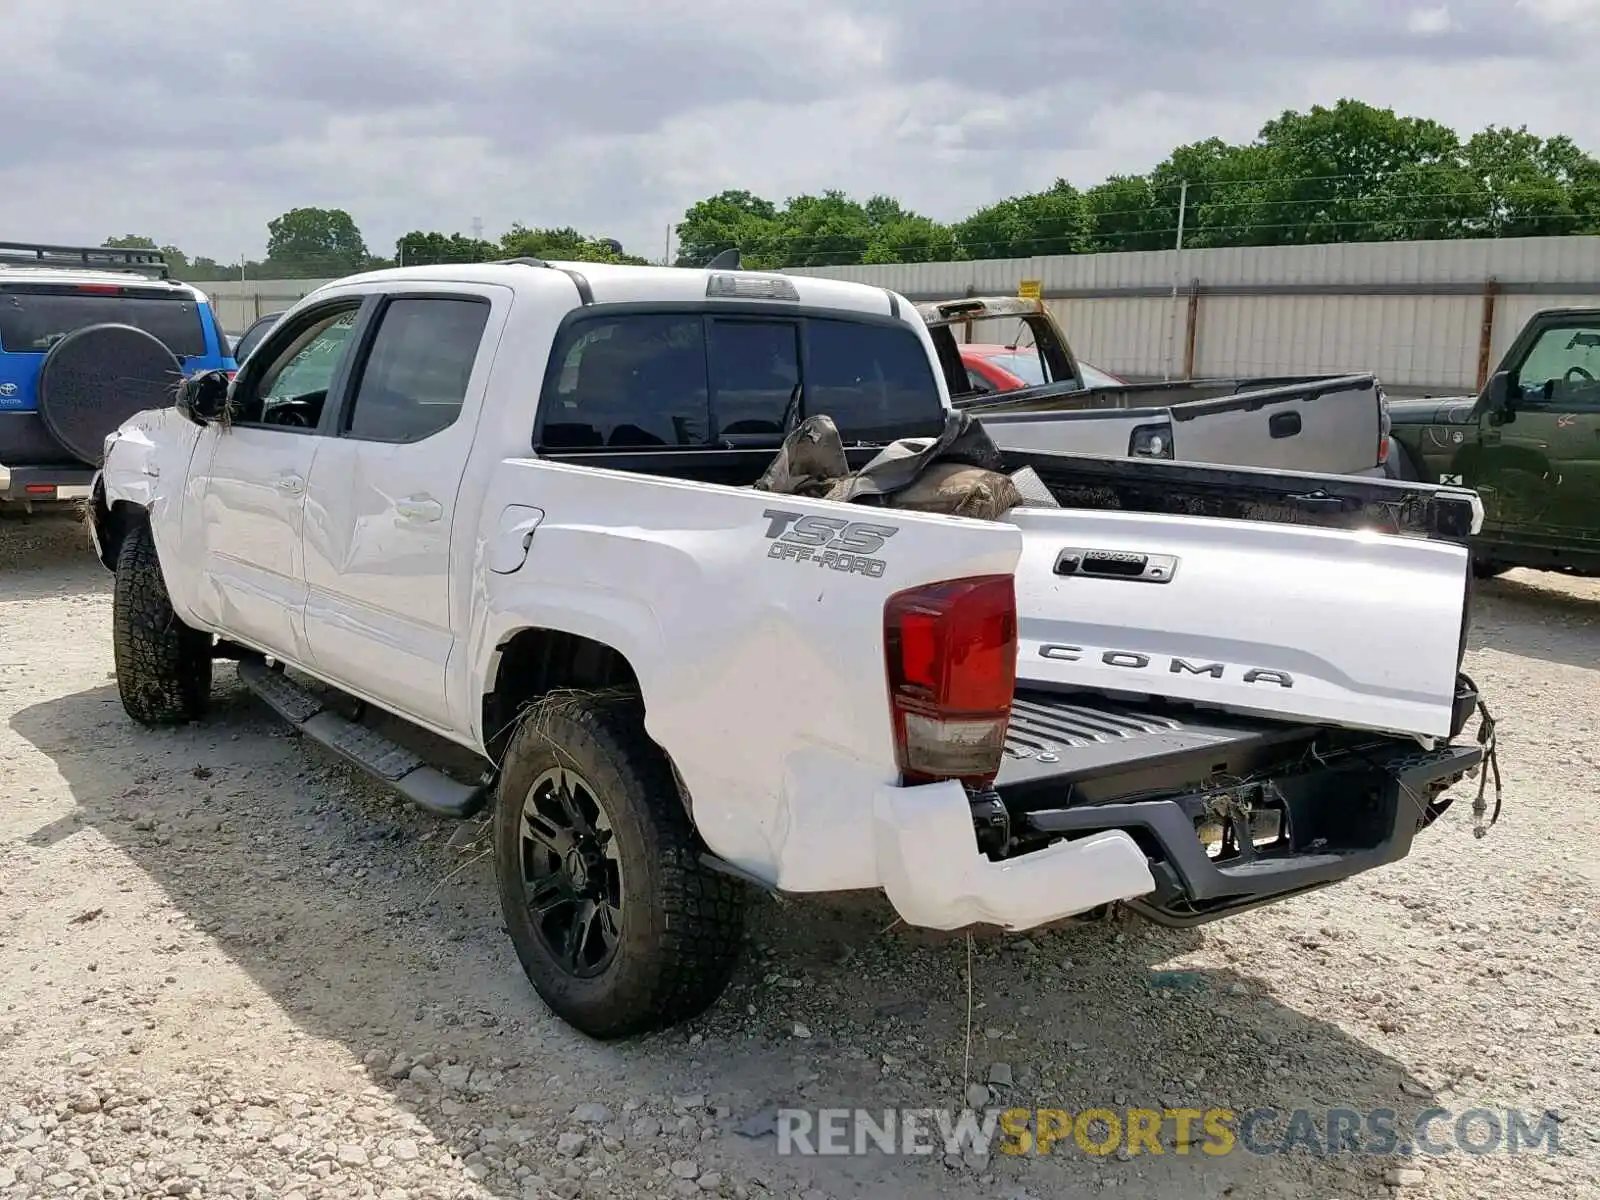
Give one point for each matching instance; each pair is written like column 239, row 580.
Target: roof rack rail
column 521, row 262
column 101, row 258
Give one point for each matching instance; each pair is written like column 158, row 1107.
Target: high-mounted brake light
column 1385, row 427
column 750, row 287
column 101, row 289
column 951, row 655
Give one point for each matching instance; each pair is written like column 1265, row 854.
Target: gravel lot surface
column 233, row 968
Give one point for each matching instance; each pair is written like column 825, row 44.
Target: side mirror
column 1500, row 398
column 203, row 398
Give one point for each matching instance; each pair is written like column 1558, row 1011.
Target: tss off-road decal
column 828, row 542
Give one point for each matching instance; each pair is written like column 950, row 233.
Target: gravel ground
column 232, row 968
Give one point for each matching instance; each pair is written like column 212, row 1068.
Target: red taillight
column 101, row 289
column 951, row 651
column 231, row 374
column 40, row 489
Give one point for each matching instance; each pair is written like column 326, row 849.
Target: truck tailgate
column 1274, row 620
column 1331, row 427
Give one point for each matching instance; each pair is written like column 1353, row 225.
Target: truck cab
column 1528, row 443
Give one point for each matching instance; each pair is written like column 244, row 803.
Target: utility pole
column 1172, row 304
column 666, row 256
column 477, row 229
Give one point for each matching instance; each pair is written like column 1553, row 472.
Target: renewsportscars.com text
column 1216, row 1132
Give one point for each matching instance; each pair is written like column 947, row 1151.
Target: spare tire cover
column 94, row 379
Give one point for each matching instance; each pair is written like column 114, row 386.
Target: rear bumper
column 44, row 485
column 1072, row 813
column 933, row 873
column 1341, row 822
column 32, row 470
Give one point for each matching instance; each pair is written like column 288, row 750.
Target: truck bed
column 1324, row 423
column 1254, row 494
column 1134, row 485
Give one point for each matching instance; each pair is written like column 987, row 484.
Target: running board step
column 385, row 760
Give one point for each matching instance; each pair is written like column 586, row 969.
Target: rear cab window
column 33, row 318
column 641, row 380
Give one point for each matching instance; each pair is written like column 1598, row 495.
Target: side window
column 755, row 367
column 874, row 380
column 292, row 389
column 630, row 381
column 417, row 371
column 1562, row 369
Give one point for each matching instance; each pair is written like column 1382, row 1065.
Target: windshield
column 1024, row 364
column 1095, row 378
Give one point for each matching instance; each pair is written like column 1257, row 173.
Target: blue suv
column 89, row 336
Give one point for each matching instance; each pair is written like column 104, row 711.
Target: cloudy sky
column 196, row 121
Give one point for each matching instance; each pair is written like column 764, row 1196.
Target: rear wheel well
column 533, row 662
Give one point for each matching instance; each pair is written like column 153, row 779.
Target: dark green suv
column 1529, row 444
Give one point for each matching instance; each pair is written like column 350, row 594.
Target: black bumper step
column 383, row 759
column 1340, row 819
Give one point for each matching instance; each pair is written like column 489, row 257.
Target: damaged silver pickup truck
column 1328, row 424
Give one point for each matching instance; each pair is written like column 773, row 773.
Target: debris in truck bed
column 959, row 473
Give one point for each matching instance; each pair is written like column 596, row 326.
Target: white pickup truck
column 511, row 505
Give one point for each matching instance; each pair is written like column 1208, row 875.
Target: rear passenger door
column 381, row 509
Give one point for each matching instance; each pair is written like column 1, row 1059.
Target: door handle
column 291, row 484
column 420, row 509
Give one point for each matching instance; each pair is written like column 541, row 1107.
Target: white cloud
column 1426, row 21
column 197, row 121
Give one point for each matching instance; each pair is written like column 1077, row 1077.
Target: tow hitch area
column 1231, row 814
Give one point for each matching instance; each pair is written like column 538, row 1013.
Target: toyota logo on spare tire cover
column 94, row 379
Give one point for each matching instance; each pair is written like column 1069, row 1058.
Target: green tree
column 1127, row 213
column 315, row 242
column 1054, row 221
column 728, row 219
column 821, row 231
column 177, row 260
column 1332, row 168
column 418, row 249
column 564, row 244
column 1524, row 191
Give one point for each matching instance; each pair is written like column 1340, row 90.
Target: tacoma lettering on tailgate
column 828, row 542
column 1132, row 660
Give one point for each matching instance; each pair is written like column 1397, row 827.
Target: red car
column 1006, row 368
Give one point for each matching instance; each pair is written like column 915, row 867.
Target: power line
column 800, row 249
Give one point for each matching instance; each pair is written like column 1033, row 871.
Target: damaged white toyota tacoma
column 653, row 561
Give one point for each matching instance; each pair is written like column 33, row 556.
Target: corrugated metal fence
column 1425, row 316
column 239, row 302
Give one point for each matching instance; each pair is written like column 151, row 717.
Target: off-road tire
column 163, row 666
column 682, row 924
